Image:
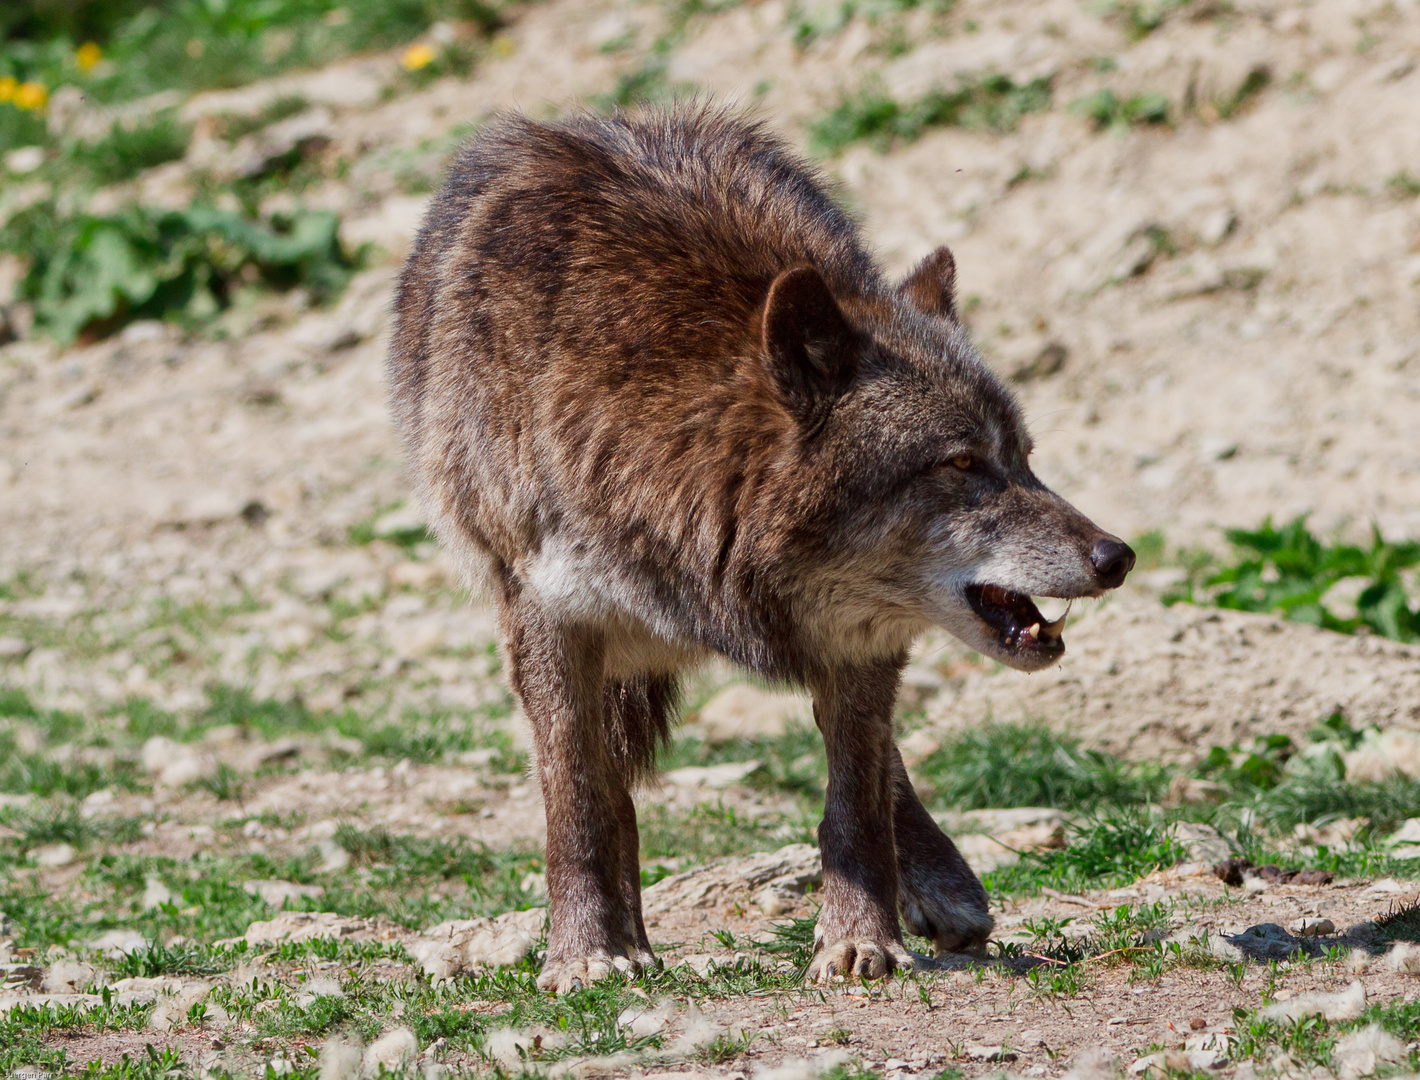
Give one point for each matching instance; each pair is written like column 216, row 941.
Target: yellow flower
column 417, row 56
column 88, row 55
column 7, row 88
column 31, row 95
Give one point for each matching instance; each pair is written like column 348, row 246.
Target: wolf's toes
column 579, row 972
column 574, row 973
column 859, row 958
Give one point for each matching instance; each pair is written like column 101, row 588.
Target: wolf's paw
column 953, row 923
column 852, row 957
column 563, row 975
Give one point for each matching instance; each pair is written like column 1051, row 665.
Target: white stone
column 24, row 159
column 277, row 893
column 715, row 777
column 1408, row 833
column 333, row 857
column 52, row 856
column 155, row 894
column 402, row 519
column 117, row 942
column 1201, row 843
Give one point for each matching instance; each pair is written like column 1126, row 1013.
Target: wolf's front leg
column 857, row 932
column 941, row 898
column 557, row 672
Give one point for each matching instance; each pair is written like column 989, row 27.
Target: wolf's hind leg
column 557, row 672
column 941, row 898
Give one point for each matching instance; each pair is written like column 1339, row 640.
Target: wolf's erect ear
column 808, row 342
column 931, row 288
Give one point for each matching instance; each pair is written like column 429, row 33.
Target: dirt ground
column 1234, row 300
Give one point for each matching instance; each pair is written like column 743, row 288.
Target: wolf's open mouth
column 1014, row 616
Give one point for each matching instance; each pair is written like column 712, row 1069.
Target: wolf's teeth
column 1054, row 629
column 1033, row 630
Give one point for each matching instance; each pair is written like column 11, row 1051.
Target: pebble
column 53, row 856
column 1312, row 927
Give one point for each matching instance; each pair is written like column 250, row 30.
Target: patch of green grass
column 1399, row 923
column 1288, row 571
column 190, row 46
column 91, row 274
column 993, row 103
column 1402, row 185
column 1000, row 765
column 1142, row 17
column 363, row 532
column 1107, row 110
column 409, row 880
column 128, row 149
column 643, row 85
column 1107, row 852
column 1257, row 80
column 827, row 20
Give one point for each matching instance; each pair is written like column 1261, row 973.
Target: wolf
column 662, row 404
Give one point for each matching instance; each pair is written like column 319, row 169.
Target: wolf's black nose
column 1112, row 559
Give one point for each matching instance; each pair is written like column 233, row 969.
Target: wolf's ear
column 931, row 288
column 808, row 343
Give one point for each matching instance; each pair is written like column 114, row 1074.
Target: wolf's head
column 925, row 506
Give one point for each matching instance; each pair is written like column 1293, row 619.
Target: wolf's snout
column 1112, row 559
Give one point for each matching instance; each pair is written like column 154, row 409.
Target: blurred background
column 1187, row 234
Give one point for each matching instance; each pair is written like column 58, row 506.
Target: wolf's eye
column 963, row 461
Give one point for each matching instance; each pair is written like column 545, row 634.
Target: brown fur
column 662, row 403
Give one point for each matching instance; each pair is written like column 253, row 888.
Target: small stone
column 277, row 893
column 118, row 942
column 711, row 776
column 155, row 894
column 53, row 856
column 24, row 159
column 13, row 648
column 1197, row 1024
column 984, row 1052
column 333, row 857
column 1201, row 843
column 1312, row 927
